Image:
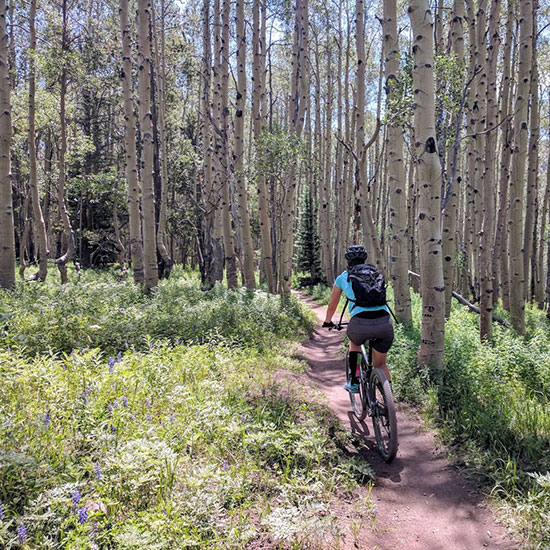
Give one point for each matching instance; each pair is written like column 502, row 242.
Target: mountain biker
column 366, row 323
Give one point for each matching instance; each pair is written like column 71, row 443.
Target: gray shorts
column 379, row 330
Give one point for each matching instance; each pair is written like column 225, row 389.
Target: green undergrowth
column 100, row 310
column 203, row 446
column 169, row 420
column 492, row 408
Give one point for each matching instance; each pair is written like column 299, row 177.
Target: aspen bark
column 432, row 343
column 7, row 236
column 240, row 183
column 371, row 242
column 258, row 122
column 517, row 181
column 146, row 127
column 131, row 166
column 531, row 198
column 299, row 89
column 488, row 223
column 67, row 236
column 500, row 268
column 160, row 64
column 399, row 253
column 450, row 209
column 41, row 237
column 227, row 175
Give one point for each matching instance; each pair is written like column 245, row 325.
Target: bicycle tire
column 359, row 400
column 384, row 420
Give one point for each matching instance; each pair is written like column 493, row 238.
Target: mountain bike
column 375, row 398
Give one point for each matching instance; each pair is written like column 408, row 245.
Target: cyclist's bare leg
column 354, row 347
column 379, row 362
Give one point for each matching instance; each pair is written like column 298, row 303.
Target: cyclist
column 366, row 323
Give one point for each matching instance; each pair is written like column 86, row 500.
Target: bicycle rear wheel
column 384, row 420
column 358, row 400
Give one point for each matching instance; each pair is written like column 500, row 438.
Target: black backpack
column 368, row 285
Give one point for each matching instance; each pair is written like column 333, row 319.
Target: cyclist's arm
column 333, row 304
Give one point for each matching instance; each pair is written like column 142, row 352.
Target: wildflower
column 111, row 364
column 83, row 515
column 149, row 417
column 148, row 403
column 124, row 401
column 113, row 429
column 110, row 408
column 47, row 419
column 225, row 466
column 2, row 514
column 119, row 357
column 76, row 496
column 115, row 404
column 84, row 398
column 172, row 417
column 21, row 533
column 98, row 472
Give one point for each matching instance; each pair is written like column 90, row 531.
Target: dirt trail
column 421, row 502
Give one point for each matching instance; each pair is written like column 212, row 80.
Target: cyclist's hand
column 328, row 324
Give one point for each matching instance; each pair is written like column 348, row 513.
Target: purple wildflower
column 47, row 419
column 148, row 403
column 21, row 533
column 115, row 404
column 124, row 401
column 2, row 514
column 172, row 417
column 76, row 496
column 84, row 398
column 119, row 357
column 111, row 364
column 149, row 417
column 110, row 408
column 113, row 429
column 83, row 515
column 98, row 472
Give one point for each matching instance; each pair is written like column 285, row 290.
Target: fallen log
column 468, row 304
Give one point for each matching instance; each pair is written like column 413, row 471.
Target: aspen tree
column 399, row 254
column 500, row 268
column 67, row 236
column 160, row 64
column 517, row 181
column 369, row 229
column 131, row 166
column 146, row 127
column 487, row 197
column 328, row 191
column 215, row 156
column 299, row 91
column 531, row 198
column 240, row 183
column 7, row 241
column 258, row 122
column 227, row 173
column 450, row 204
column 432, row 343
column 540, row 283
column 38, row 218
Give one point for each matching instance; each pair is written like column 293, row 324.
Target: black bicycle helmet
column 355, row 253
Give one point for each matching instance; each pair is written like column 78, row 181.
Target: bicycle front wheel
column 384, row 420
column 358, row 401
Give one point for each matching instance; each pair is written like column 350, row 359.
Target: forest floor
column 420, row 500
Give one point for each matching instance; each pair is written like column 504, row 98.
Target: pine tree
column 308, row 255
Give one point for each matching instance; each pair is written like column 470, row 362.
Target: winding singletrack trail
column 421, row 502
